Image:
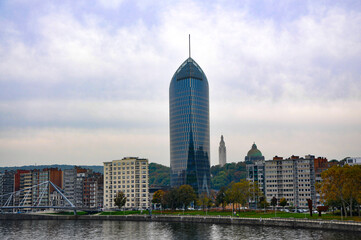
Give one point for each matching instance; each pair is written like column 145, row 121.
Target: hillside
column 223, row 176
column 59, row 166
column 159, row 175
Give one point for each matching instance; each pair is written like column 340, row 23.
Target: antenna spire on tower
column 189, row 45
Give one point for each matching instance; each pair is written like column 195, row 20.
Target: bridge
column 20, row 199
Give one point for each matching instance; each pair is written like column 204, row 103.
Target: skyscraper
column 222, row 153
column 189, row 127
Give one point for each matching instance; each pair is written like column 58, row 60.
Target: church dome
column 254, row 152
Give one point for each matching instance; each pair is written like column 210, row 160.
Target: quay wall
column 275, row 222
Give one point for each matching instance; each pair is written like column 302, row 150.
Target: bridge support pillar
column 74, row 211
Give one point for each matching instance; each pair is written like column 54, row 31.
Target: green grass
column 68, row 213
column 259, row 214
column 123, row 212
column 245, row 214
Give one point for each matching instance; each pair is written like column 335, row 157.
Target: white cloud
column 111, row 4
column 276, row 83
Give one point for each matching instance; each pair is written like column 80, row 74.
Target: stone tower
column 222, row 153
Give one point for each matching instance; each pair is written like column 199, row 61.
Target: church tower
column 222, row 153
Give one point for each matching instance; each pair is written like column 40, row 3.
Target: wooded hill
column 95, row 168
column 159, row 175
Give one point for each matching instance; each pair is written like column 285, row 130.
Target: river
column 85, row 229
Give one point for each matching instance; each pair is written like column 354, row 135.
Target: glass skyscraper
column 189, row 127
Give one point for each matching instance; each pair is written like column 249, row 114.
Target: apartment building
column 83, row 187
column 129, row 175
column 6, row 186
column 34, row 192
column 292, row 178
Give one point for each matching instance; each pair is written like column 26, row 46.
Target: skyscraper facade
column 189, row 127
column 222, row 153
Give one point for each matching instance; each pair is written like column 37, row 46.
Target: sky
column 85, row 82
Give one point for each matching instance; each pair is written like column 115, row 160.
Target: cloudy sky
column 83, row 82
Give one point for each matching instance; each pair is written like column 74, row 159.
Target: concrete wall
column 277, row 222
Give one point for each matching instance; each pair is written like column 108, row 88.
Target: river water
column 85, row 229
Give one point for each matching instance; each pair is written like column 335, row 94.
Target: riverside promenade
column 276, row 222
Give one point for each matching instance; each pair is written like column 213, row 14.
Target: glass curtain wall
column 189, row 128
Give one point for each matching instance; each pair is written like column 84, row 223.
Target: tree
column 274, row 202
column 352, row 187
column 263, row 203
column 171, row 198
column 331, row 187
column 239, row 193
column 255, row 192
column 231, row 195
column 204, row 201
column 221, row 198
column 158, row 197
column 341, row 184
column 283, row 203
column 120, row 199
column 186, row 195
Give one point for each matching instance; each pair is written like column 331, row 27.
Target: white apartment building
column 129, row 175
column 292, row 179
column 353, row 161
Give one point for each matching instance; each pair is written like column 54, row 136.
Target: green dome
column 254, row 152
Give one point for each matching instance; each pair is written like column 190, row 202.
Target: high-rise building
column 292, row 178
column 73, row 191
column 83, row 187
column 189, row 127
column 130, row 176
column 222, row 153
column 34, row 192
column 6, row 185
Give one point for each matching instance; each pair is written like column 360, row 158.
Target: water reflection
column 83, row 229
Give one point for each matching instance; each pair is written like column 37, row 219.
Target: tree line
column 159, row 175
column 341, row 188
column 237, row 194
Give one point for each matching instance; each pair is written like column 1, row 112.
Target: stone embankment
column 275, row 222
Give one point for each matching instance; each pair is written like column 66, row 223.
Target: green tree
column 231, row 195
column 120, row 199
column 204, row 201
column 239, row 193
column 221, row 198
column 186, row 195
column 159, row 175
column 230, row 172
column 158, row 197
column 274, row 202
column 283, row 203
column 352, row 187
column 263, row 203
column 341, row 184
column 171, row 198
column 255, row 192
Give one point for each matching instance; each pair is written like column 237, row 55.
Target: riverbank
column 276, row 222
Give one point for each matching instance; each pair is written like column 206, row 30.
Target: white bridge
column 27, row 193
